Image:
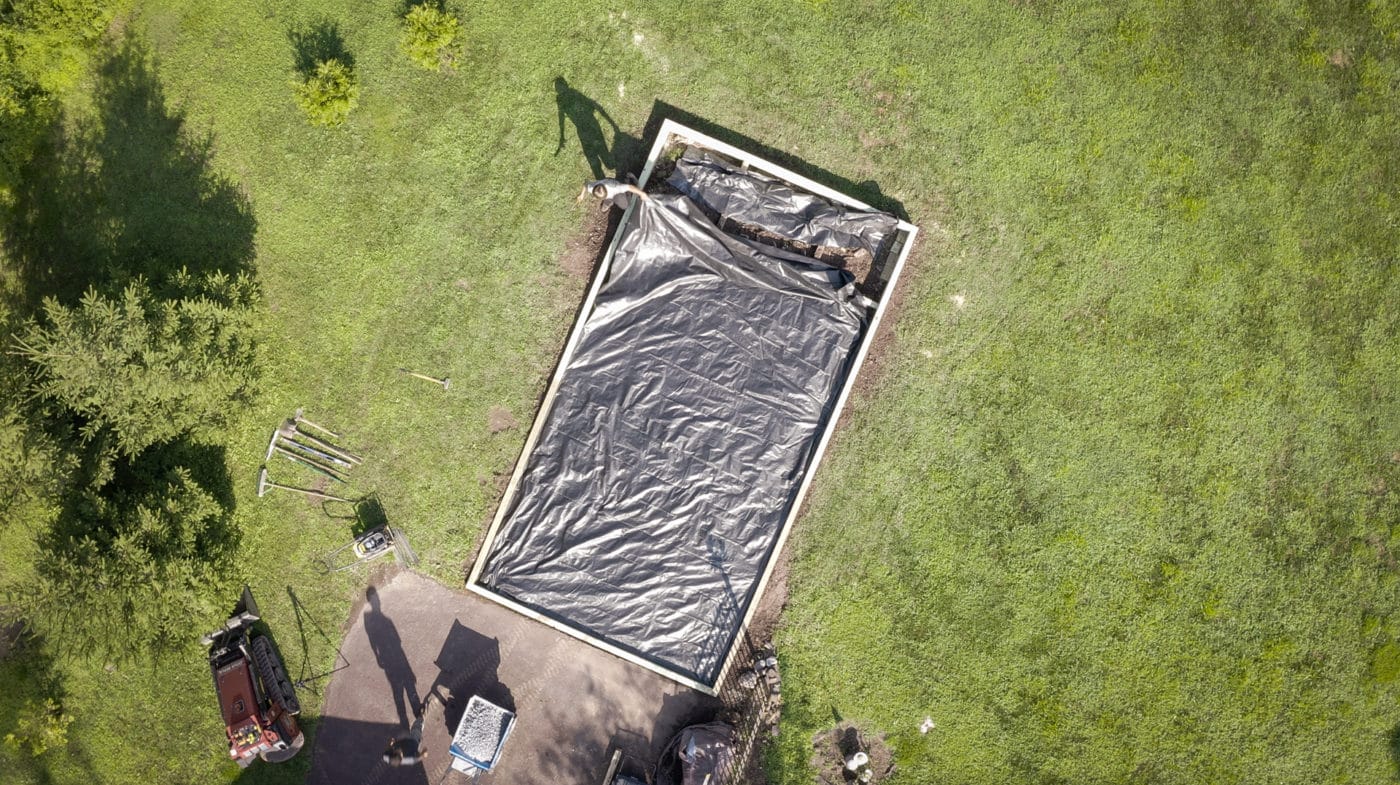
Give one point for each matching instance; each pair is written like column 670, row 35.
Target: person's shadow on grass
column 584, row 113
column 388, row 652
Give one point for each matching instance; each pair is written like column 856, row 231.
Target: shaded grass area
column 1123, row 511
column 125, row 191
column 28, row 676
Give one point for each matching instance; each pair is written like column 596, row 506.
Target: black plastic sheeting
column 680, row 433
column 698, row 755
column 777, row 207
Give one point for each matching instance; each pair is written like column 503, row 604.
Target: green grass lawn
column 1121, row 503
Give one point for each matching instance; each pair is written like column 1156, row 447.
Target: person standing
column 612, row 190
column 407, row 749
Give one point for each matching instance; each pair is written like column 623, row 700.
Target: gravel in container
column 481, row 731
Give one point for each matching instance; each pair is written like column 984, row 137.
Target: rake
column 265, row 484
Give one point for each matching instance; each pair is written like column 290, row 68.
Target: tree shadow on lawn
column 315, row 42
column 27, row 669
column 123, row 192
column 1395, row 748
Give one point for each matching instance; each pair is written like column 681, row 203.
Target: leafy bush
column 40, row 727
column 329, row 93
column 431, row 37
column 146, row 369
column 133, row 565
column 44, row 46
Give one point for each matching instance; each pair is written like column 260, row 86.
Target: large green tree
column 146, row 369
column 132, row 562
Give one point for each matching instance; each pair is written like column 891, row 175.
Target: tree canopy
column 143, row 368
column 131, row 563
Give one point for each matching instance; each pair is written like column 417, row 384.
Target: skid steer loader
column 257, row 699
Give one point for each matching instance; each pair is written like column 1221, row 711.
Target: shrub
column 329, row 93
column 431, row 37
column 40, row 727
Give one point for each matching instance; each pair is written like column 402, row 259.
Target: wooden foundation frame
column 671, row 133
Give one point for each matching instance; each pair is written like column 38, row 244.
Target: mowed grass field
column 1119, row 499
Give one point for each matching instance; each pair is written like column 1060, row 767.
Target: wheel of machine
column 291, row 733
column 274, row 676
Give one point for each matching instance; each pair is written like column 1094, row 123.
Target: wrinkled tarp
column 757, row 200
column 681, row 430
column 704, row 754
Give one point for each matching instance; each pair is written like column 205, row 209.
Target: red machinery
column 258, row 701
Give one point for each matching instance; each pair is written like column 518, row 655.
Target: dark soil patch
column 882, row 347
column 500, row 419
column 831, row 750
column 662, row 169
column 495, row 486
column 856, row 261
column 774, row 600
column 584, row 250
column 321, row 484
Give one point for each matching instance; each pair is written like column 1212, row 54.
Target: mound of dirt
column 500, row 419
column 584, row 250
column 831, row 749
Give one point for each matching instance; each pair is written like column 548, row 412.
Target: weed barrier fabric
column 678, row 438
column 777, row 207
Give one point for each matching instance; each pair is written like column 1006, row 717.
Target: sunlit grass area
column 1119, row 502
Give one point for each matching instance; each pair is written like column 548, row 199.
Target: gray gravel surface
column 574, row 703
column 483, row 726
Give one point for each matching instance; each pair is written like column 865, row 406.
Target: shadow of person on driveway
column 388, row 652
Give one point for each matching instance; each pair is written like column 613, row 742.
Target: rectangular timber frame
column 672, row 133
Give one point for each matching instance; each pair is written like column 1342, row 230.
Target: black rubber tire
column 274, row 677
column 291, row 733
